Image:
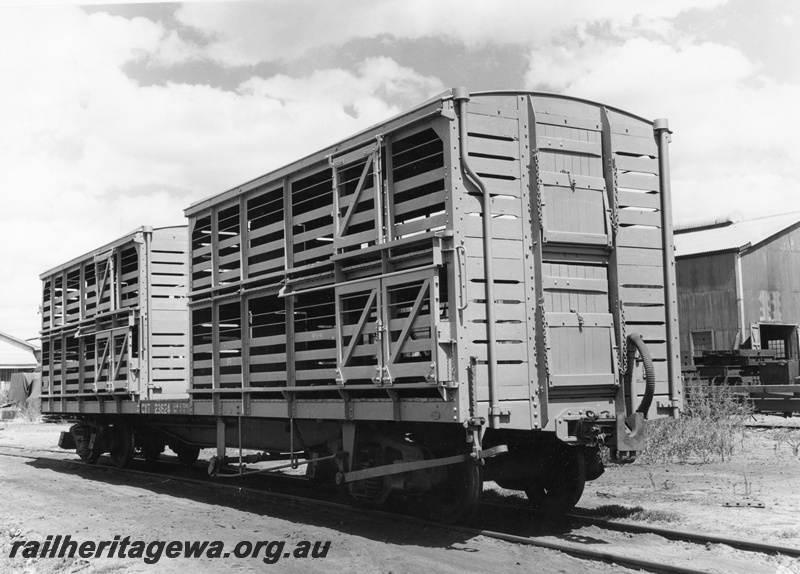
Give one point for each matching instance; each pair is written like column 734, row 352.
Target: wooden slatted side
column 89, row 288
column 417, row 194
column 312, row 218
column 202, row 348
column 411, row 322
column 200, row 229
column 356, row 225
column 47, row 302
column 494, row 154
column 58, row 300
column 229, row 327
column 267, row 352
column 128, row 276
column 73, row 295
column 266, row 230
column 314, row 348
column 639, row 237
column 70, row 367
column 169, row 314
column 228, row 243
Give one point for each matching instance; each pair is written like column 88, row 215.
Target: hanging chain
column 570, row 180
column 623, row 360
column 538, row 187
column 615, row 214
column 545, row 346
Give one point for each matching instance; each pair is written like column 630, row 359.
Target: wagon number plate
column 165, row 407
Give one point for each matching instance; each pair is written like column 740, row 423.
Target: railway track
column 623, row 544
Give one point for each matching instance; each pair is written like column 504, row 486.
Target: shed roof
column 16, row 353
column 729, row 234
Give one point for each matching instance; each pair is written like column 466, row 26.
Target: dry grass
column 790, row 437
column 634, row 513
column 709, row 429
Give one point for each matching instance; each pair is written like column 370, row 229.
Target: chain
column 570, row 180
column 545, row 346
column 624, row 346
column 538, row 187
column 615, row 214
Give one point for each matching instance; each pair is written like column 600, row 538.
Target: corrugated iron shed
column 730, row 235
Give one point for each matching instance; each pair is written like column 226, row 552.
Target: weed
column 789, row 436
column 712, row 419
column 30, row 412
column 635, row 513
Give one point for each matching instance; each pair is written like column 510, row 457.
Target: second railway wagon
column 463, row 292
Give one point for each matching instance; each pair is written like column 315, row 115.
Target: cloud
column 287, row 29
column 735, row 131
column 89, row 154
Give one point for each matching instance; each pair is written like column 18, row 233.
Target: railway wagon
column 480, row 288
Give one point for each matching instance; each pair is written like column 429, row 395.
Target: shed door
column 581, row 348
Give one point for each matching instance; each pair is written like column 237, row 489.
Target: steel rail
column 566, row 548
column 687, row 535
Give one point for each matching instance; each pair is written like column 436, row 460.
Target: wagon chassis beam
column 401, row 467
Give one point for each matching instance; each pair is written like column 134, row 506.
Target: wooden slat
column 420, row 203
column 323, row 251
column 421, row 225
column 581, row 181
column 501, row 248
column 501, row 228
column 314, row 214
column 633, row 144
column 643, row 164
column 418, row 180
column 635, row 199
column 574, row 284
column 496, row 167
column 503, row 352
column 494, row 126
column 561, row 120
column 503, row 312
column 266, row 230
column 494, row 147
column 640, row 275
column 644, row 182
column 568, row 146
column 631, row 216
column 276, row 376
column 639, row 237
column 649, row 296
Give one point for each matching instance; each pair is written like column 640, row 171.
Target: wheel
column 149, row 445
column 456, row 500
column 560, row 488
column 121, row 444
column 81, row 436
column 151, row 452
column 187, row 453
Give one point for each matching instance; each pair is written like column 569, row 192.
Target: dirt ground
column 41, row 499
column 718, row 497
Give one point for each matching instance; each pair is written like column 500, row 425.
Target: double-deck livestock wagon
column 454, row 295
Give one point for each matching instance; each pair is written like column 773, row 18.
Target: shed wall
column 771, row 280
column 707, row 299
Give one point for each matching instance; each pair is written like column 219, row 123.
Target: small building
column 16, row 356
column 739, row 285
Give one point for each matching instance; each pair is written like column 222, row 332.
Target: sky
column 114, row 116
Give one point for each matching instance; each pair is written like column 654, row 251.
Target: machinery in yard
column 458, row 294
